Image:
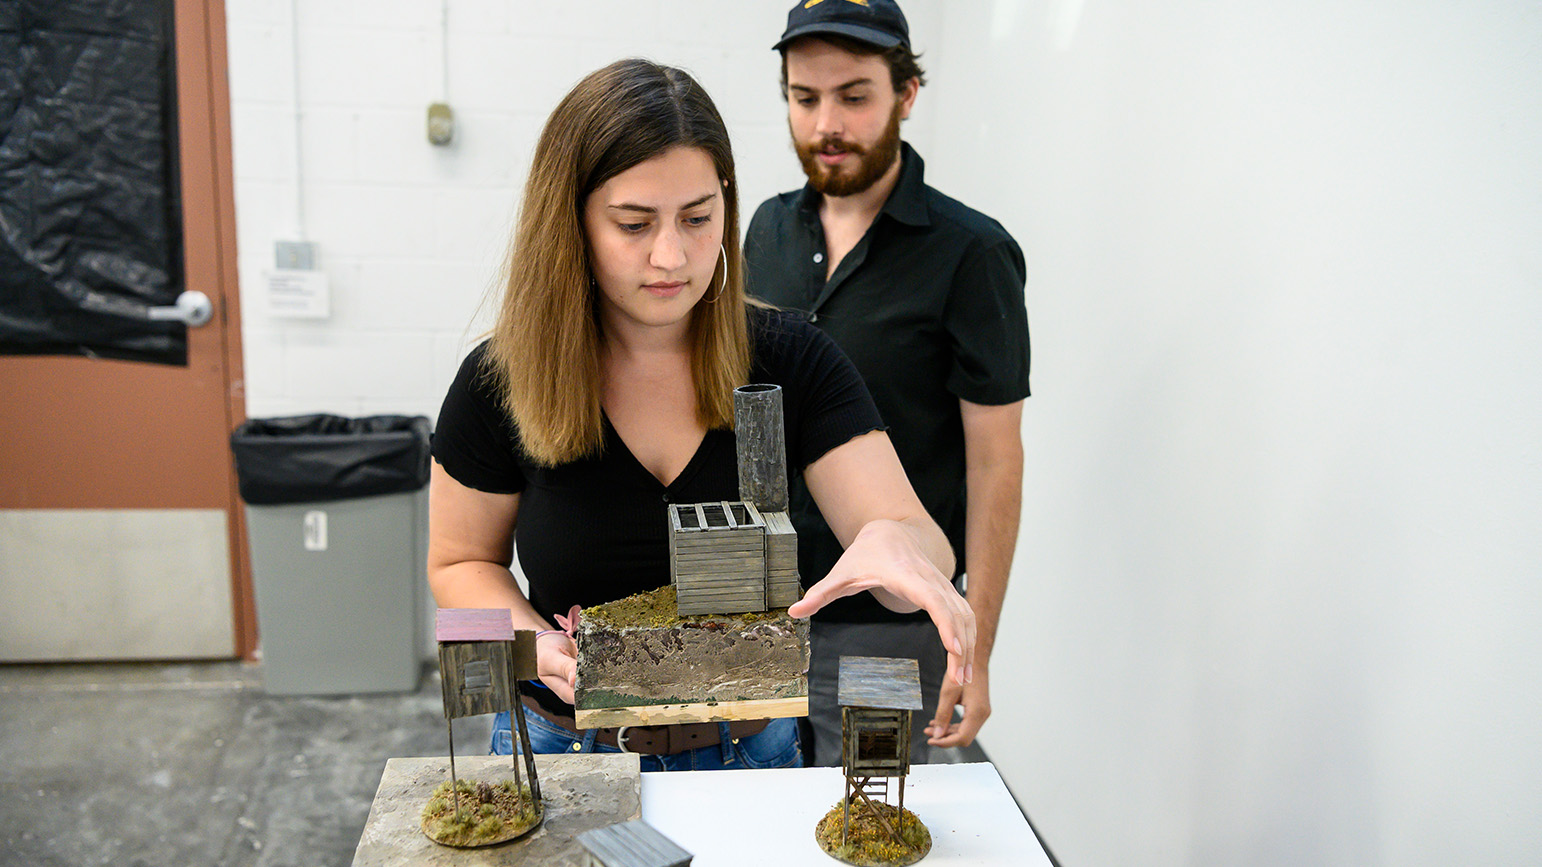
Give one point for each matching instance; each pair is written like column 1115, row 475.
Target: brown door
column 121, row 534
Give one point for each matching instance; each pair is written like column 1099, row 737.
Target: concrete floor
column 143, row 765
column 193, row 764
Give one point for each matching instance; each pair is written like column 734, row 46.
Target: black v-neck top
column 595, row 530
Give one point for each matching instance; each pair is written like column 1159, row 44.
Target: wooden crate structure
column 877, row 696
column 742, row 556
column 631, row 844
column 729, row 558
column 717, row 557
column 482, row 659
column 782, row 587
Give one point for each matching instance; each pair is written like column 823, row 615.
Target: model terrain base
column 642, row 663
column 480, row 814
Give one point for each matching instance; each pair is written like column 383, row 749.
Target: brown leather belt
column 655, row 740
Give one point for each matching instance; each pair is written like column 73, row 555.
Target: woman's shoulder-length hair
column 544, row 349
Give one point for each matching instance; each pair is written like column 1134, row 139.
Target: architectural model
column 482, row 658
column 716, row 643
column 877, row 696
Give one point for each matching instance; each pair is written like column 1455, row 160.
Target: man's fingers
column 976, row 703
column 959, row 734
column 955, row 737
column 947, row 699
column 946, row 737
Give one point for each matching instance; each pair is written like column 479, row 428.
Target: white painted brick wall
column 411, row 235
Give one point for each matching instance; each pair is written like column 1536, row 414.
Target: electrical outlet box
column 441, row 124
column 294, row 255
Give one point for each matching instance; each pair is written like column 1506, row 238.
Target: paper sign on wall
column 314, row 530
column 299, row 294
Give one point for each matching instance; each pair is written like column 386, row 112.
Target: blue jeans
column 774, row 747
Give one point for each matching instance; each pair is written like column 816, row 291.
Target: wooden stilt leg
column 514, row 760
column 845, row 811
column 528, row 750
column 454, row 786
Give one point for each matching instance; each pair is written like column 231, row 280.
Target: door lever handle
column 193, row 308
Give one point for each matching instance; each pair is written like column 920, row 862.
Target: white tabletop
column 743, row 818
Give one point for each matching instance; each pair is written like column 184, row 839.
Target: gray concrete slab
column 579, row 793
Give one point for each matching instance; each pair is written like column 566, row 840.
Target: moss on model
column 489, row 813
column 868, row 842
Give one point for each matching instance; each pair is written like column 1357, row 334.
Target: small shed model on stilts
column 631, row 844
column 482, row 659
column 877, row 696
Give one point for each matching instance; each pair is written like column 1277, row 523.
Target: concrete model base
column 580, row 792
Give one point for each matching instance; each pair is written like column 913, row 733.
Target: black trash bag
column 90, row 203
column 309, row 458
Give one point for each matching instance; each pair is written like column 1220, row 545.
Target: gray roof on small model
column 879, row 682
column 633, row 844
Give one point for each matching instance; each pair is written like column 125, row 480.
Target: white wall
column 410, row 234
column 1277, row 599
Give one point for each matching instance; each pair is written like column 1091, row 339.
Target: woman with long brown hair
column 605, row 391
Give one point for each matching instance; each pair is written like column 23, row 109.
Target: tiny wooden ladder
column 871, row 786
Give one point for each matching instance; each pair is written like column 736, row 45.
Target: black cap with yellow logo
column 876, row 22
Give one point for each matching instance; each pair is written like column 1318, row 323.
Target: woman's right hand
column 556, row 662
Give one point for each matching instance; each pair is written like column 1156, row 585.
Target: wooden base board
column 669, row 714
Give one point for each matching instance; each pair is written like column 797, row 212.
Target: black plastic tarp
column 90, row 224
column 310, row 458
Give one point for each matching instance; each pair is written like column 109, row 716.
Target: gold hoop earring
column 724, row 282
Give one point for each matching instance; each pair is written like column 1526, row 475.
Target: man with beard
column 926, row 297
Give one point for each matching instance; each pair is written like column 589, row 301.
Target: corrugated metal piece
column 633, row 844
column 879, row 682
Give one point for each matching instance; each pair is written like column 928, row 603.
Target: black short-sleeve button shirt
column 929, row 306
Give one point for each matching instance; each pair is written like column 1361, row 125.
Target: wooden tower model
column 482, row 659
column 736, row 557
column 877, row 696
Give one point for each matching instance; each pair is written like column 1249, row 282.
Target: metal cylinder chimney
column 761, row 446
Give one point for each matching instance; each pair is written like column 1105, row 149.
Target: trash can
column 337, row 519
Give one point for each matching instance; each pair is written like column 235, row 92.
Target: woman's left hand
column 887, row 558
